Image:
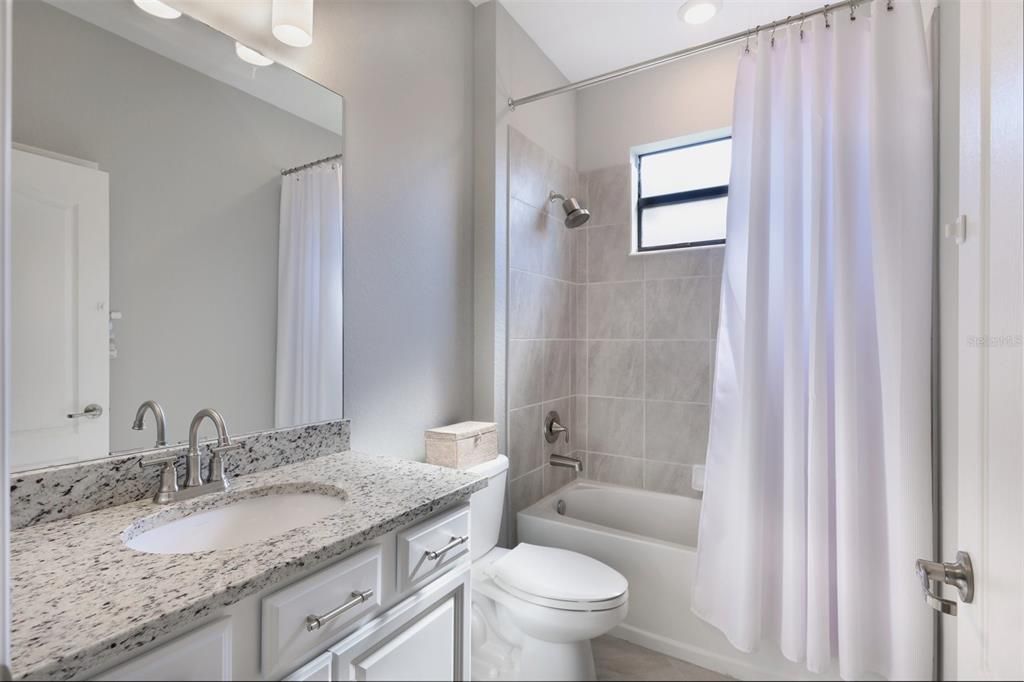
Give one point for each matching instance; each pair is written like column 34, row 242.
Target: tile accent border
column 54, row 493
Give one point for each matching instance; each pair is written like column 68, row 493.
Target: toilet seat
column 558, row 579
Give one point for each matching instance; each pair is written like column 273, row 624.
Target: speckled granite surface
column 81, row 597
column 61, row 492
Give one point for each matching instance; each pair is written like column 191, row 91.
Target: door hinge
column 957, row 230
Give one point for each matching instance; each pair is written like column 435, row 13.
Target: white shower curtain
column 817, row 495
column 309, row 302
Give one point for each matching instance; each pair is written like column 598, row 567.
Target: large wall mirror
column 161, row 250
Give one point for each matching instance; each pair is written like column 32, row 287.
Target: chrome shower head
column 575, row 214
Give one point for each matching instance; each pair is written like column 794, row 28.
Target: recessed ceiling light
column 291, row 22
column 699, row 11
column 247, row 54
column 158, row 9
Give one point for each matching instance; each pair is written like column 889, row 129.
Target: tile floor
column 619, row 660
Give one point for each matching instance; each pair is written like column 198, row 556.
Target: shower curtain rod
column 289, row 171
column 690, row 51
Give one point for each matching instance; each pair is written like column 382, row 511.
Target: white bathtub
column 650, row 538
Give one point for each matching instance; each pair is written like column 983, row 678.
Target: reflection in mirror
column 159, row 251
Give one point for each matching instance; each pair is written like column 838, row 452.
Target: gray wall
column 406, row 71
column 194, row 205
column 685, row 97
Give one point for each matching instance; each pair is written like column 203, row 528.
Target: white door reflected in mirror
column 60, row 287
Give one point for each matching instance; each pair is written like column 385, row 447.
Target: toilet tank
column 486, row 506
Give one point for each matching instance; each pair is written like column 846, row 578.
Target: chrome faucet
column 193, row 460
column 194, row 483
column 158, row 415
column 567, row 462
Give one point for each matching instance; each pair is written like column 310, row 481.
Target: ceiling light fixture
column 157, row 9
column 247, row 54
column 699, row 11
column 292, row 22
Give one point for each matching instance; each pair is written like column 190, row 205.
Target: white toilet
column 535, row 609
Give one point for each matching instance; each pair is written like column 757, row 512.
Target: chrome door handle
column 959, row 574
column 92, row 411
column 455, row 542
column 314, row 623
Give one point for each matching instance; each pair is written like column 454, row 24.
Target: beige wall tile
column 525, row 367
column 524, row 442
column 615, row 368
column 675, row 432
column 559, row 362
column 615, row 426
column 615, row 311
column 675, row 479
column 678, row 370
column 678, row 308
column 611, row 469
column 608, row 258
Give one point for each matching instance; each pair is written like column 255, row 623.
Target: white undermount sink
column 236, row 523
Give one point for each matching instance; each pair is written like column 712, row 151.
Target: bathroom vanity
column 376, row 588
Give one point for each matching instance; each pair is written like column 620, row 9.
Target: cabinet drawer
column 309, row 615
column 430, row 548
column 203, row 654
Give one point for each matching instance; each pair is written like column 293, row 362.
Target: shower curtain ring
column 889, row 6
column 828, row 17
column 773, row 33
column 802, row 20
column 853, row 12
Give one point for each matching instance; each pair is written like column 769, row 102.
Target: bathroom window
column 682, row 193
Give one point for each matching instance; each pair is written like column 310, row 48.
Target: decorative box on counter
column 462, row 445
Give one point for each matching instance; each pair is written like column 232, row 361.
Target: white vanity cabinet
column 386, row 610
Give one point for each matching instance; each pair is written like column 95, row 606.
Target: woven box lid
column 460, row 430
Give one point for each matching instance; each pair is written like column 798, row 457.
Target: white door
column 60, row 287
column 990, row 446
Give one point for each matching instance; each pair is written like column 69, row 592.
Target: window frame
column 675, row 198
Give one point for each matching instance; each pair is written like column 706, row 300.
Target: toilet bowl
column 535, row 609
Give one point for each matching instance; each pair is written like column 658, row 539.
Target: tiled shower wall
column 621, row 346
column 645, row 361
column 545, row 288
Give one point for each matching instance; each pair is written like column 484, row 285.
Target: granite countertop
column 81, row 597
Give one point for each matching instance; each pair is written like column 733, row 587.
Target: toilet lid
column 557, row 576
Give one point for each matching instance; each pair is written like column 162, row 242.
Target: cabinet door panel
column 425, row 637
column 317, row 670
column 422, row 651
column 203, row 654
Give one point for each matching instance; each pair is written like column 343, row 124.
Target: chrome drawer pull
column 435, row 555
column 314, row 623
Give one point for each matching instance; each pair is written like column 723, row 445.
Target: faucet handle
column 217, row 461
column 218, row 450
column 168, row 477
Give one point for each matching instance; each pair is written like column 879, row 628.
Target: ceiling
column 588, row 37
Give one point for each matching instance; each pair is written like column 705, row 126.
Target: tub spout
column 567, row 462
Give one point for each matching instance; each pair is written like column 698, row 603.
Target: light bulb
column 292, row 22
column 699, row 11
column 157, row 9
column 247, row 54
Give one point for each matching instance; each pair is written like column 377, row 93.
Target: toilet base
column 556, row 661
